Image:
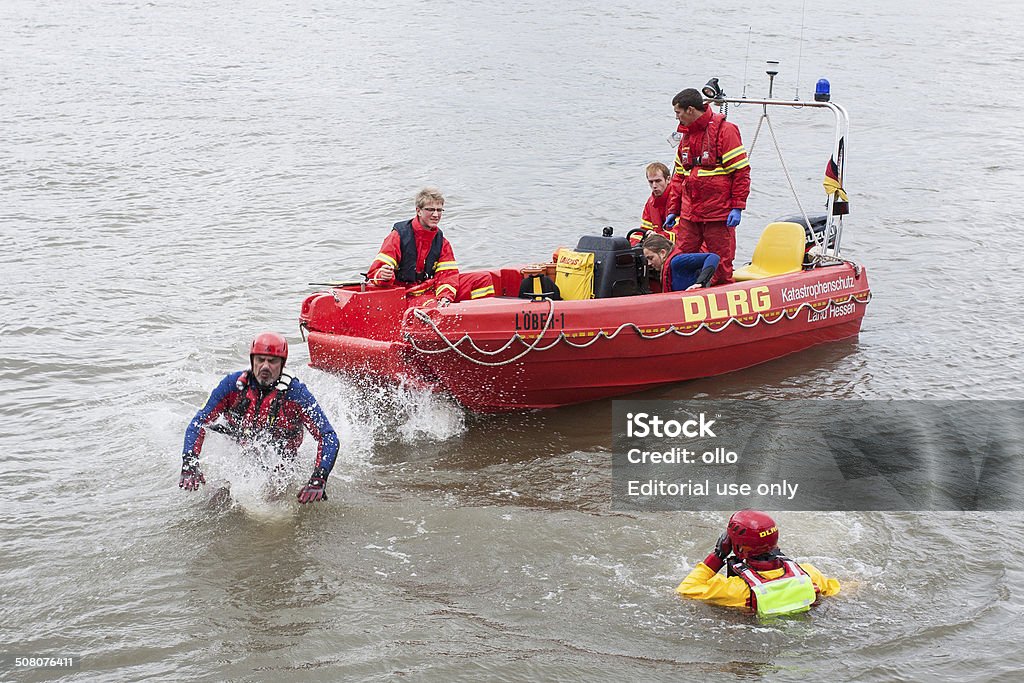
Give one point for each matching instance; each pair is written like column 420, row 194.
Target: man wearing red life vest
column 263, row 405
column 416, row 254
column 653, row 216
column 759, row 578
column 711, row 181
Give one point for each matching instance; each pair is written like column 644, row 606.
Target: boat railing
column 828, row 242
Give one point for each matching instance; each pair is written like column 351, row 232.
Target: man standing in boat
column 653, row 218
column 760, row 578
column 263, row 405
column 709, row 187
column 416, row 254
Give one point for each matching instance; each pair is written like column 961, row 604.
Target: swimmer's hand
column 191, row 476
column 315, row 489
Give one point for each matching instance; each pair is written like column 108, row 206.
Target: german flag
column 832, row 182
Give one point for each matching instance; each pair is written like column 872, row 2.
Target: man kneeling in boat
column 416, row 254
column 678, row 271
column 759, row 578
column 263, row 403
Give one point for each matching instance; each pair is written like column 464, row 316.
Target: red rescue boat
column 510, row 353
column 505, row 353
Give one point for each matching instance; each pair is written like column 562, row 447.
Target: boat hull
column 504, row 354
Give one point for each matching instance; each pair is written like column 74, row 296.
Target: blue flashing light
column 821, row 91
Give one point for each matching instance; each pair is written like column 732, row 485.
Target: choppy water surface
column 173, row 175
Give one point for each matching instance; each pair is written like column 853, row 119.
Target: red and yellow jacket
column 654, row 215
column 442, row 282
column 712, row 172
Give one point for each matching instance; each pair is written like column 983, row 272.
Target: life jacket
column 257, row 410
column 407, row 266
column 791, row 593
column 538, row 286
column 709, row 158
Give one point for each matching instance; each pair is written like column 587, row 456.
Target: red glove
column 316, row 489
column 716, row 558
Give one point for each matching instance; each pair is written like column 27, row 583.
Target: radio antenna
column 745, row 63
column 800, row 55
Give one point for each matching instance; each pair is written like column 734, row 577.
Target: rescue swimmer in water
column 759, row 577
column 264, row 404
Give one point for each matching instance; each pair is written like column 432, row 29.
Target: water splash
column 365, row 413
column 255, row 480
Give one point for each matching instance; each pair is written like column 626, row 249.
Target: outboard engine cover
column 615, row 265
column 817, row 226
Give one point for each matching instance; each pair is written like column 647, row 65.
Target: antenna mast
column 746, row 61
column 800, row 54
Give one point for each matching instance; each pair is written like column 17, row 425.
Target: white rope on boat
column 822, row 260
column 562, row 337
column 422, row 316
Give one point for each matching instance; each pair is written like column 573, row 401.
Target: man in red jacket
column 654, row 210
column 416, row 254
column 710, row 184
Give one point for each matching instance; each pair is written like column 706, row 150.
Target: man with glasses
column 416, row 255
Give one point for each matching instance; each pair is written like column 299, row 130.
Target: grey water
column 173, row 175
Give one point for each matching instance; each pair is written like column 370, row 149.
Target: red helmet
column 269, row 344
column 752, row 533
